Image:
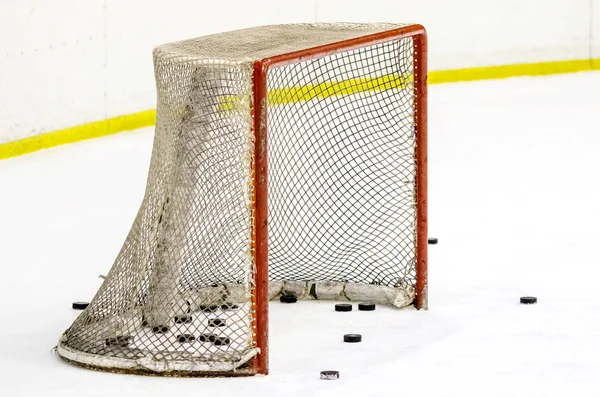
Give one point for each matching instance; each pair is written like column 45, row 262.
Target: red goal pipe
column 420, row 103
column 260, row 232
column 346, row 45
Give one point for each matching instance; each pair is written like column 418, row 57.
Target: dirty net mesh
column 341, row 141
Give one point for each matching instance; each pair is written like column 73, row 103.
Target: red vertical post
column 260, row 236
column 420, row 104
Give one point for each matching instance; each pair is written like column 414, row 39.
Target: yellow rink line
column 514, row 70
column 147, row 118
column 78, row 133
column 305, row 93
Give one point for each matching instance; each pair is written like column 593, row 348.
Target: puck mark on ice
column 186, row 338
column 352, row 338
column 288, row 299
column 207, row 338
column 119, row 341
column 222, row 341
column 216, row 322
column 528, row 300
column 184, row 319
column 343, row 307
column 160, row 329
column 80, row 305
column 330, row 375
column 366, row 307
column 229, row 306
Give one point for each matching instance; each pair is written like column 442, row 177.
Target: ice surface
column 514, row 200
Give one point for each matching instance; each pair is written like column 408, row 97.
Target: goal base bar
column 173, row 374
column 398, row 296
column 159, row 368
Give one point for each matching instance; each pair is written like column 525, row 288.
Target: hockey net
column 342, row 199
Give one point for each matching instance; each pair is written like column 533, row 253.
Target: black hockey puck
column 343, row 307
column 160, row 329
column 207, row 338
column 80, row 305
column 216, row 322
column 528, row 300
column 352, row 338
column 183, row 319
column 186, row 338
column 288, row 299
column 432, row 240
column 229, row 306
column 209, row 308
column 366, row 307
column 119, row 341
column 330, row 375
column 222, row 341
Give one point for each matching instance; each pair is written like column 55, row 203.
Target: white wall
column 130, row 73
column 595, row 28
column 464, row 33
column 51, row 65
column 67, row 62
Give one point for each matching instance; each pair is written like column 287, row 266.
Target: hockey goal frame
column 260, row 297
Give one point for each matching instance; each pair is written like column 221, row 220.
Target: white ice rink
column 514, row 200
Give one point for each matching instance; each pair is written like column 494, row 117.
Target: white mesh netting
column 341, row 198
